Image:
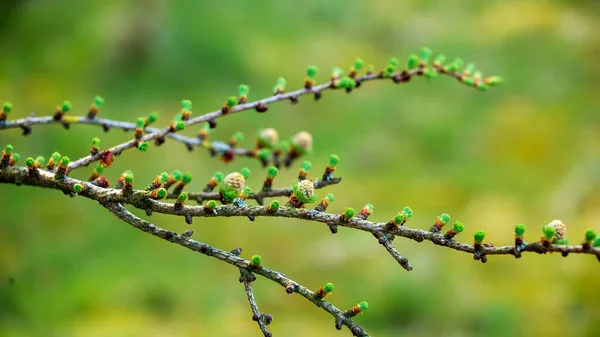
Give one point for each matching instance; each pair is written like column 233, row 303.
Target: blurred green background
column 525, row 152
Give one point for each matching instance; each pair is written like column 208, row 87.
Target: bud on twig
column 185, row 179
column 324, row 290
column 303, row 192
column 271, row 174
column 365, row 212
column 214, row 181
column 306, row 165
column 333, row 161
column 441, row 221
column 321, row 207
column 456, row 228
column 357, row 309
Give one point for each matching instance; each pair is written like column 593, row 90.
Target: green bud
column 15, row 157
column 596, row 242
column 393, row 62
column 458, row 227
column 469, row 69
column 561, row 242
column 369, row 208
column 337, row 71
column 96, row 142
column 430, row 73
column 176, row 175
column 264, row 154
column 183, row 197
column 408, row 213
column 358, row 64
column 590, row 235
column 152, row 117
column 211, row 204
column 128, row 179
column 329, row 197
column 468, row 81
column 272, row 171
column 328, row 287
column 245, row 172
column 64, row 161
column 8, row 149
column 425, row 54
column 143, row 146
column 333, row 160
column 238, row 136
column 454, row 66
column 219, row 176
column 231, row 101
column 311, row 72
column 99, row 169
column 186, row 178
column 413, row 62
column 274, row 206
column 549, row 232
column 186, row 104
column 180, row 125
column 255, row 261
column 66, row 107
column 349, row 212
column 243, row 90
column 161, row 193
column 78, row 188
column 98, row 101
column 280, row 84
column 246, row 191
column 479, row 236
column 520, row 230
column 363, row 305
column 493, row 80
column 444, row 218
column 163, row 177
column 7, row 108
column 29, row 162
column 440, row 59
column 40, row 161
column 482, row 86
column 398, row 219
column 141, row 123
column 55, row 157
column 306, row 165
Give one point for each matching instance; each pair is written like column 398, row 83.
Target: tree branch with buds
column 227, row 195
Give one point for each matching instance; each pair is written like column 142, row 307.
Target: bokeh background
column 525, row 152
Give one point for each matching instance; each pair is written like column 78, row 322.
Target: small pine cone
column 268, row 137
column 560, row 227
column 306, row 190
column 303, row 142
column 235, row 181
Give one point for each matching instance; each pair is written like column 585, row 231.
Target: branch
column 258, row 196
column 263, row 320
column 398, row 77
column 290, row 285
column 106, row 124
column 143, row 200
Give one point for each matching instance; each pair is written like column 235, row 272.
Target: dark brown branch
column 232, row 259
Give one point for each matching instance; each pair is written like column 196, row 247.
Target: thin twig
column 247, row 278
column 189, row 142
column 258, row 196
column 232, row 259
column 117, row 149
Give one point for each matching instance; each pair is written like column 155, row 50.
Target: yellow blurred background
column 525, row 152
